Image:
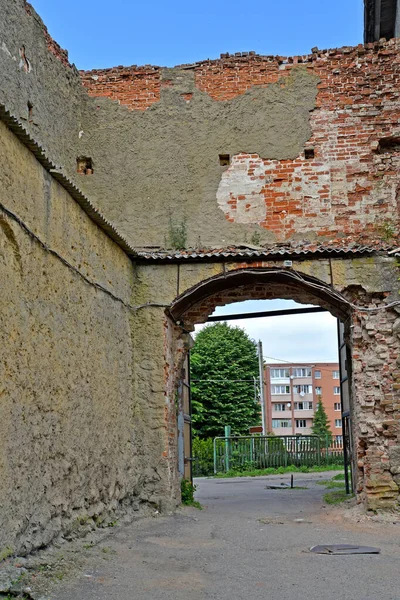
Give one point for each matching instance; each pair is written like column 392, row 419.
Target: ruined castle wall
column 312, row 144
column 38, row 84
column 309, row 145
column 72, row 448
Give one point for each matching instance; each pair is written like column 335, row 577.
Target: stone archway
column 370, row 330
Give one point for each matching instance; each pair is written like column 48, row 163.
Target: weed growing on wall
column 177, row 234
column 387, row 230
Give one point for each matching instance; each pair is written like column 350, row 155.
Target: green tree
column 321, row 426
column 221, row 356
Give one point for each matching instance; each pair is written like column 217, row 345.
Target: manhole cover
column 344, row 549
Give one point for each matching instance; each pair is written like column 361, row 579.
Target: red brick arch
column 374, row 380
column 196, row 304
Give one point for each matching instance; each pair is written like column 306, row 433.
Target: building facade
column 292, row 395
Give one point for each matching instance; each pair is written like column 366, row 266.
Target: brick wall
column 134, row 87
column 345, row 182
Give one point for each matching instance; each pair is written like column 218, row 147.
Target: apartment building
column 292, row 392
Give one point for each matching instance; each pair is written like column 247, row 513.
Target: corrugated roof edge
column 40, row 153
column 271, row 252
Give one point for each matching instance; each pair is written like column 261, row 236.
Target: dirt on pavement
column 247, row 542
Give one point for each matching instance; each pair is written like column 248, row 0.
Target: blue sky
column 99, row 33
column 294, row 338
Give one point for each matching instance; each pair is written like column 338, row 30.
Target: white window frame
column 317, row 374
column 337, row 406
column 300, row 372
column 336, row 390
column 283, row 406
column 301, row 421
column 276, row 390
column 282, row 423
column 305, row 405
column 318, row 391
column 336, row 374
column 338, row 423
column 303, row 389
column 282, row 373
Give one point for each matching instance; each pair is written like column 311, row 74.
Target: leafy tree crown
column 224, row 364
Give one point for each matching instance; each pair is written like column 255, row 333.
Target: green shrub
column 203, row 457
column 187, row 494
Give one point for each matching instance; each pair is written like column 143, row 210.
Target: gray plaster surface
column 165, row 160
column 248, row 542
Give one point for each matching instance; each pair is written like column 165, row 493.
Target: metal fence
column 245, row 453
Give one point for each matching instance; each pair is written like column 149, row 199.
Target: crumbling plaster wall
column 77, row 444
column 35, row 71
column 166, row 159
column 302, row 135
column 374, row 336
column 154, row 136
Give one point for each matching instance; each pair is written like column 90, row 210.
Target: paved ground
column 249, row 542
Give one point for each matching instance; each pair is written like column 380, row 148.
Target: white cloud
column 294, row 338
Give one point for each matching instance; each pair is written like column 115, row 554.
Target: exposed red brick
column 134, row 87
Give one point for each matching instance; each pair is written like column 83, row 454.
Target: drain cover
column 344, row 549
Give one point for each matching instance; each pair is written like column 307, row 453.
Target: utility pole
column 261, row 376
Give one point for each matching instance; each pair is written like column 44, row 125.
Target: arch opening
column 369, row 448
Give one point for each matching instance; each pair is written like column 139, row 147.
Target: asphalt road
column 247, row 543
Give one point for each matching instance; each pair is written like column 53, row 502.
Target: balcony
column 282, row 414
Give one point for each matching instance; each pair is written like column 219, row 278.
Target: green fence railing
column 242, row 453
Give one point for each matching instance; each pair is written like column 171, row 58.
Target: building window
column 281, row 423
column 339, row 439
column 317, row 374
column 279, row 373
column 303, row 405
column 301, row 423
column 318, row 391
column 281, row 407
column 300, row 372
column 338, row 422
column 338, row 406
column 280, row 389
column 302, row 389
column 336, row 390
column 335, row 374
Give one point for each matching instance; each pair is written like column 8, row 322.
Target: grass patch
column 196, row 504
column 279, row 471
column 331, row 484
column 337, row 497
column 338, row 477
